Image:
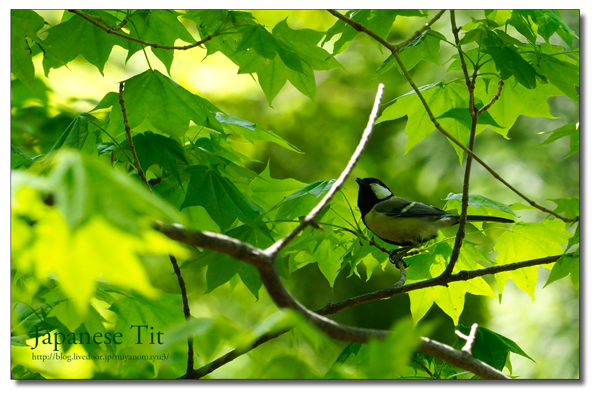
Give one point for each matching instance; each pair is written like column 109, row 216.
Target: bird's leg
column 396, row 255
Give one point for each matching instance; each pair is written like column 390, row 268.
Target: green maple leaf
column 570, row 130
column 165, row 104
column 567, row 264
column 490, row 347
column 222, row 267
column 268, row 192
column 564, row 74
column 441, row 98
column 76, row 36
column 329, row 258
column 152, row 149
column 529, row 241
column 157, row 26
column 450, row 299
column 303, row 200
column 24, row 24
column 515, row 100
column 379, row 21
column 221, row 199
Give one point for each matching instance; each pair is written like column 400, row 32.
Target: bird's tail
column 489, row 218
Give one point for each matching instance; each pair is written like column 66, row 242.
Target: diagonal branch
column 100, row 23
column 361, row 28
column 136, row 160
column 310, row 218
column 394, row 50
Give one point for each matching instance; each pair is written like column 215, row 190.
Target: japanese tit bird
column 402, row 222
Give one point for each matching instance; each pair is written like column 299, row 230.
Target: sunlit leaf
column 562, row 74
column 567, row 264
column 529, row 241
column 567, row 205
column 515, row 101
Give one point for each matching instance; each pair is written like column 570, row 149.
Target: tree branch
column 493, row 99
column 455, row 31
column 394, row 50
column 470, row 339
column 136, row 160
column 361, row 28
column 460, row 359
column 310, row 218
column 186, row 313
column 420, row 31
column 265, row 263
column 460, row 234
column 464, row 275
column 258, row 258
column 108, row 29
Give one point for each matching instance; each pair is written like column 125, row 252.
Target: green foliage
column 157, row 26
column 24, row 26
column 76, row 36
column 490, row 347
column 85, row 258
column 570, row 130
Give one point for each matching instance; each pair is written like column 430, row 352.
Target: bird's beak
column 360, row 181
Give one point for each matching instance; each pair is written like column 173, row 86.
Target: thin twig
column 424, row 367
column 455, row 31
column 361, row 28
column 470, row 338
column 310, row 218
column 186, row 313
column 136, row 160
column 376, row 245
column 493, row 99
column 231, row 355
column 108, row 29
column 420, row 31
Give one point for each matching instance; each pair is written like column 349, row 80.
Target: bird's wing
column 398, row 207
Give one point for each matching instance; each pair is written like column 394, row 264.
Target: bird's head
column 370, row 192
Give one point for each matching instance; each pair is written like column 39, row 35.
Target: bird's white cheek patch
column 380, row 192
